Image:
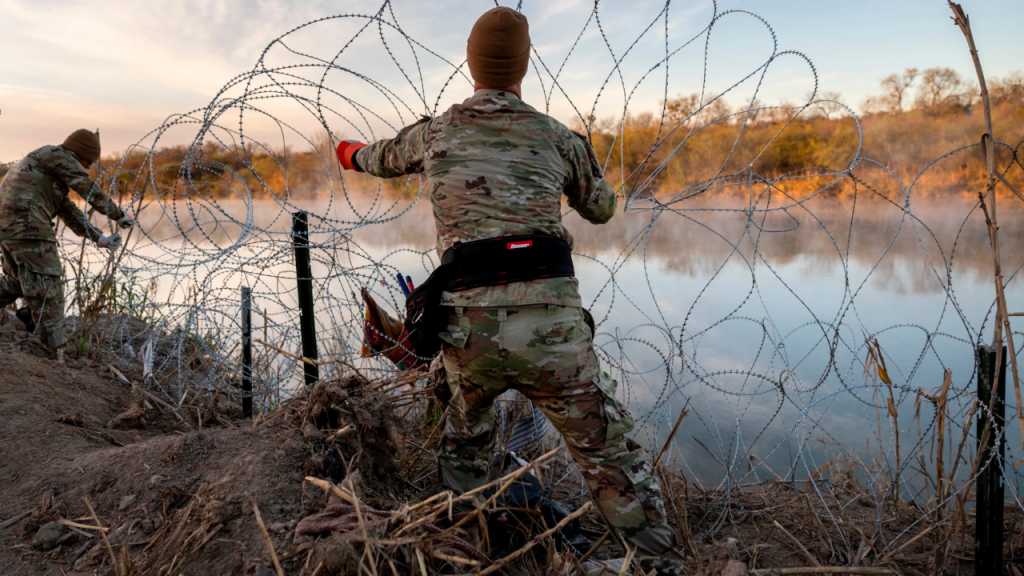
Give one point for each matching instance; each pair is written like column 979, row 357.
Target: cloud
column 127, row 65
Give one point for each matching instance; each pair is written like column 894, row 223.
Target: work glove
column 125, row 221
column 112, row 242
column 347, row 152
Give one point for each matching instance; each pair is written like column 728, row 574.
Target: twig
column 807, row 554
column 103, row 533
column 15, row 520
column 266, row 536
column 336, row 490
column 679, row 421
column 421, row 561
column 821, row 570
column 455, row 559
column 500, row 563
column 150, row 396
column 908, row 543
column 310, row 360
column 987, row 140
column 71, row 524
column 601, row 540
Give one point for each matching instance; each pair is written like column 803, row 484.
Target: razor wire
column 779, row 399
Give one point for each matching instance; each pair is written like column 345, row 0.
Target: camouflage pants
column 32, row 271
column 547, row 353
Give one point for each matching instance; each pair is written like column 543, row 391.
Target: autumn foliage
column 689, row 147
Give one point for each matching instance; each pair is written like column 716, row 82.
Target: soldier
column 496, row 167
column 33, row 192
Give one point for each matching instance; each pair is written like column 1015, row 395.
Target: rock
column 277, row 528
column 157, row 479
column 264, row 570
column 127, row 502
column 735, row 568
column 311, row 432
column 217, row 512
column 68, row 539
column 229, row 409
column 47, row 536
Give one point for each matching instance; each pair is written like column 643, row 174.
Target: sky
column 126, row 67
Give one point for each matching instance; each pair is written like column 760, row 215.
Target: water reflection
column 757, row 318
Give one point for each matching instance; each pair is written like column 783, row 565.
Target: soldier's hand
column 347, row 154
column 125, row 221
column 112, row 242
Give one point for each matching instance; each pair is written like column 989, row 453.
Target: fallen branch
column 71, row 524
column 311, row 361
column 822, row 570
column 15, row 520
column 807, row 554
column 333, row 489
column 908, row 543
column 103, row 533
column 266, row 536
column 668, row 442
column 500, row 563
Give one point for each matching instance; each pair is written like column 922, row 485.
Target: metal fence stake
column 304, row 279
column 246, row 352
column 988, row 542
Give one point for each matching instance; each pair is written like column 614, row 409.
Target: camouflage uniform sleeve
column 587, row 191
column 76, row 221
column 400, row 155
column 73, row 175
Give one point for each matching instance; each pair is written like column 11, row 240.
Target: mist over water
column 767, row 344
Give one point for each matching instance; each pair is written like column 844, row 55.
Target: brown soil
column 174, row 500
column 169, row 496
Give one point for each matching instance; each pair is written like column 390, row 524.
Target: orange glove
column 346, row 154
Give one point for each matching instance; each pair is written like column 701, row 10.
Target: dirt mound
column 172, row 497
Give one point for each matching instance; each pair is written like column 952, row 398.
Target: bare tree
column 942, row 90
column 1008, row 90
column 715, row 108
column 678, row 109
column 894, row 91
column 828, row 105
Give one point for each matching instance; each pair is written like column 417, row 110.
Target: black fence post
column 246, row 352
column 304, row 278
column 988, row 542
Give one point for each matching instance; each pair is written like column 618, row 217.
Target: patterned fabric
column 35, row 191
column 495, row 167
column 32, row 271
column 547, row 353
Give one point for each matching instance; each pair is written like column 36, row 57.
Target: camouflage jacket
column 35, row 191
column 495, row 167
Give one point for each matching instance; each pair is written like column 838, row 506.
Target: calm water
column 759, row 322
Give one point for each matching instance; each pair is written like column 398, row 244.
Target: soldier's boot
column 44, row 293
column 655, row 551
column 53, row 334
column 25, row 315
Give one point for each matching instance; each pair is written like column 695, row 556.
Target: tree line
column 694, row 143
column 690, row 143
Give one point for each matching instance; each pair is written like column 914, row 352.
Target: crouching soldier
column 497, row 170
column 32, row 194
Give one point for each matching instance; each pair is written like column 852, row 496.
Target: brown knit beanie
column 498, row 50
column 85, row 144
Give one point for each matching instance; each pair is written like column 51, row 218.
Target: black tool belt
column 489, row 262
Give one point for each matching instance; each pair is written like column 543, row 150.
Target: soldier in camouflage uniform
column 498, row 167
column 32, row 194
